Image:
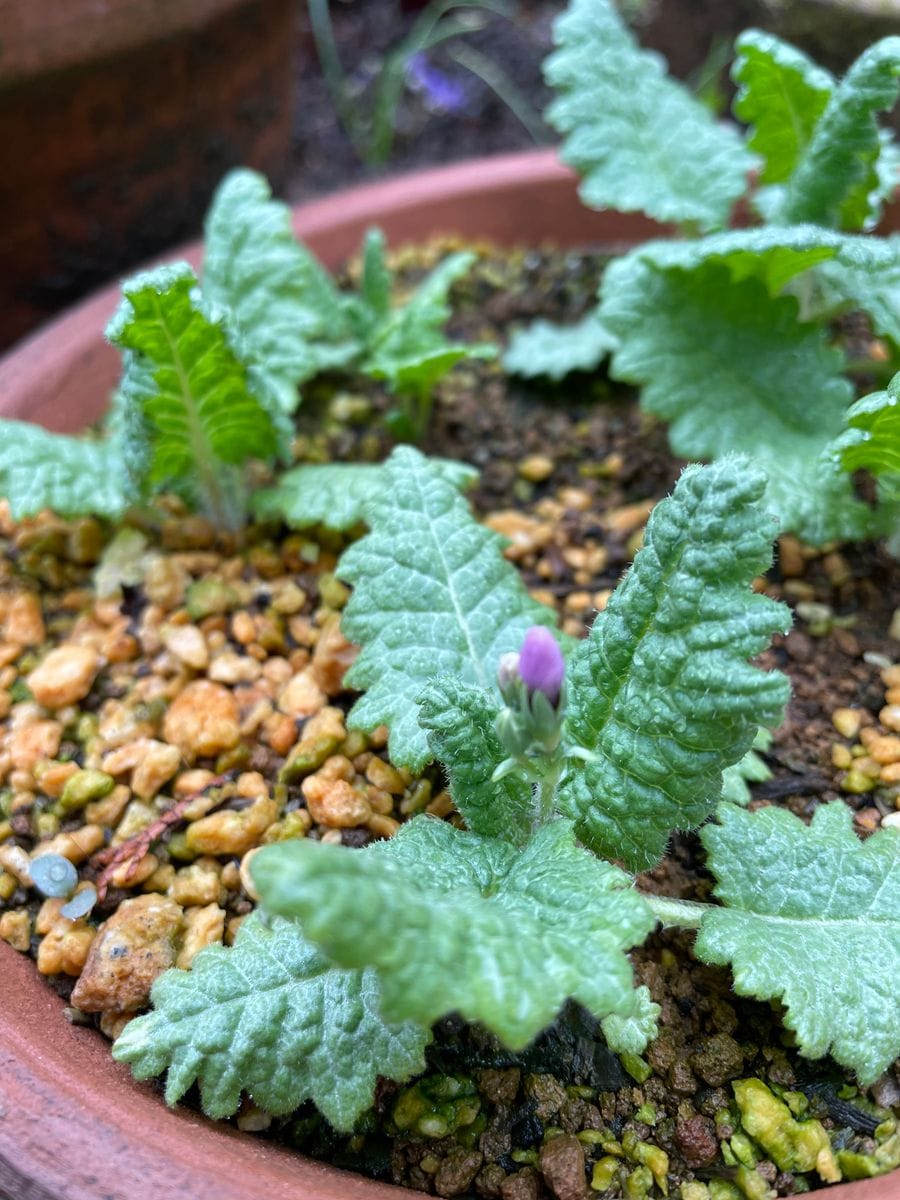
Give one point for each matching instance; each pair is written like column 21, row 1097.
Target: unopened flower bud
column 508, row 677
column 541, row 663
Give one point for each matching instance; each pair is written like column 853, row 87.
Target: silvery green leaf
column 641, row 141
column 811, row 917
column 432, row 595
column 473, row 922
column 290, row 319
column 661, row 692
column 335, row 495
column 272, row 1018
column 545, row 348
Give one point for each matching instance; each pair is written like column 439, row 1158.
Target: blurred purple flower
column 441, row 93
column 541, row 664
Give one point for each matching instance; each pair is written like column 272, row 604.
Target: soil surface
column 221, row 659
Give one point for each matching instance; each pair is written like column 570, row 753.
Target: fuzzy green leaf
column 433, row 595
column 335, row 495
column 408, row 348
column 459, row 720
column 192, row 390
column 836, row 181
column 731, row 367
column 472, row 922
column 750, row 769
column 868, row 281
column 632, row 1033
column 781, row 96
column 661, row 692
column 544, row 348
column 290, row 319
column 812, row 919
column 640, row 139
column 872, row 441
column 273, row 1018
column 70, row 475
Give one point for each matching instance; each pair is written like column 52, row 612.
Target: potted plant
column 529, row 736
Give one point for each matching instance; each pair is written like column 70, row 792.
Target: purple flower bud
column 541, row 664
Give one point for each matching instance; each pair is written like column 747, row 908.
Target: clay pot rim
column 93, row 1132
column 57, row 35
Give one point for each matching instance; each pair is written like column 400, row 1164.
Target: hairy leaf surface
column 872, row 441
column 750, row 769
column 812, row 919
column 631, row 1033
column 661, row 691
column 433, row 595
column 71, row 475
column 544, row 348
column 781, row 96
column 272, row 1017
column 640, row 139
column 731, row 367
column 291, row 320
column 408, row 349
column 836, row 180
column 192, row 389
column 459, row 720
column 473, row 922
column 335, row 495
column 869, row 281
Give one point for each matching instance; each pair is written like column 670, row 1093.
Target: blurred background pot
column 73, row 1123
column 117, row 119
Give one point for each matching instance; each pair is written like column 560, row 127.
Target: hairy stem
column 685, row 913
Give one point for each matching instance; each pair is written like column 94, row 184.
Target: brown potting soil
column 224, row 659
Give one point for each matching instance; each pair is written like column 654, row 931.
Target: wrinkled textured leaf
column 544, row 348
column 290, row 318
column 812, row 919
column 459, row 720
column 640, row 139
column 71, row 475
column 731, row 367
column 408, row 348
column 661, row 691
column 472, row 922
column 781, row 96
column 273, row 1018
column 335, row 495
column 192, row 389
column 632, row 1033
column 869, row 281
column 433, row 595
column 836, row 181
column 872, row 441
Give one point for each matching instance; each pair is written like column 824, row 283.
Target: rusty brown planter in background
column 73, row 1123
column 117, row 119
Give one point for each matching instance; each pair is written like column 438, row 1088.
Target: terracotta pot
column 117, row 119
column 73, row 1123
